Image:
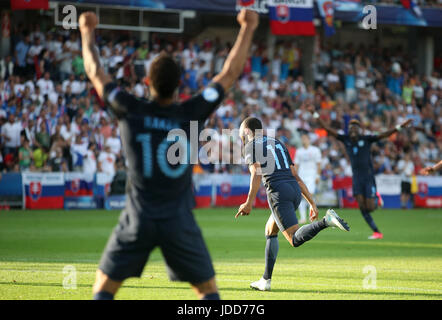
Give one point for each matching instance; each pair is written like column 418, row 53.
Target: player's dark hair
column 253, row 124
column 164, row 75
column 354, row 122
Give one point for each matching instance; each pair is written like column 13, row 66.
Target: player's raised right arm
column 234, row 65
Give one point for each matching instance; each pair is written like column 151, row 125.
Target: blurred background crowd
column 52, row 120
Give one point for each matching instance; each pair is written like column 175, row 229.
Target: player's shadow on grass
column 39, row 284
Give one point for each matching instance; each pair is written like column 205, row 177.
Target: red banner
column 29, row 4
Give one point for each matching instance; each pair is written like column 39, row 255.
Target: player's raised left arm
column 306, row 194
column 396, row 129
column 88, row 22
column 255, row 183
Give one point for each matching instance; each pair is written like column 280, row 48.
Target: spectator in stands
column 40, row 156
column 107, row 162
column 58, row 163
column 118, row 185
column 45, row 84
column 25, row 155
column 10, row 134
column 114, row 143
column 43, row 137
column 405, row 168
column 32, row 56
column 380, row 88
column 90, row 160
column 6, row 67
column 78, row 152
column 21, row 52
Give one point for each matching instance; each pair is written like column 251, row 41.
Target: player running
column 308, row 166
column 358, row 148
column 159, row 195
column 268, row 159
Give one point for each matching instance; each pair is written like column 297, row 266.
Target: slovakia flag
column 412, row 5
column 291, row 17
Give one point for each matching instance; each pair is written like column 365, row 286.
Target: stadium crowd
column 52, row 120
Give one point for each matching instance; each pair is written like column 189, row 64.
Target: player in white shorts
column 308, row 166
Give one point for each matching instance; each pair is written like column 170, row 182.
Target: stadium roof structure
column 345, row 10
column 127, row 18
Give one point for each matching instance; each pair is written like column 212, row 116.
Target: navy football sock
column 369, row 219
column 308, row 232
column 211, row 296
column 103, row 295
column 272, row 247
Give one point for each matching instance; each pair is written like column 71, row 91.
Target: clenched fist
column 88, row 21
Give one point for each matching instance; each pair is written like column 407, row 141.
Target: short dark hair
column 253, row 124
column 164, row 75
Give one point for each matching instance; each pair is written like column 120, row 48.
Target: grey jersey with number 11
column 274, row 159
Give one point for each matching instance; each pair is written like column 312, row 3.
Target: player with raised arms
column 358, row 148
column 269, row 160
column 159, row 202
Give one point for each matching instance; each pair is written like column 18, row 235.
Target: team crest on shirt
column 226, row 189
column 35, row 189
column 283, row 13
column 210, row 94
column 361, row 143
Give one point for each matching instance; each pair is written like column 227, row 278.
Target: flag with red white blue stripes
column 291, row 17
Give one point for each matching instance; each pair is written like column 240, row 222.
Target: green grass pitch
column 36, row 246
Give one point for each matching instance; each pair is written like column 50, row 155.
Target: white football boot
column 333, row 220
column 261, row 285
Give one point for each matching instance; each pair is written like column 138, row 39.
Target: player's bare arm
column 306, row 194
column 255, row 183
column 234, row 65
column 88, row 22
column 433, row 169
column 394, row 130
column 332, row 132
